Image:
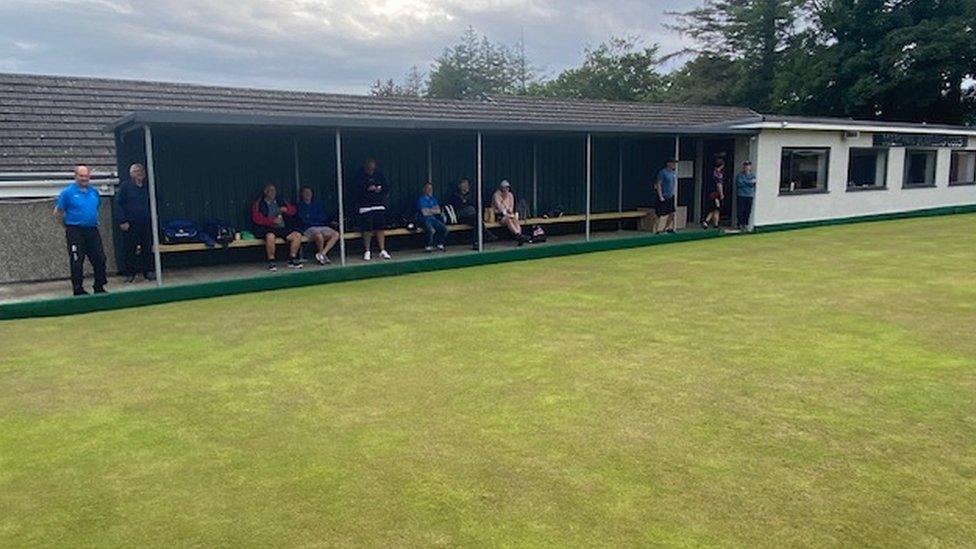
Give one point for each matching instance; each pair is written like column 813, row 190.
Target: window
column 962, row 169
column 867, row 168
column 803, row 170
column 919, row 168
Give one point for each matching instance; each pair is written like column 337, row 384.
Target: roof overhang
column 312, row 121
column 864, row 126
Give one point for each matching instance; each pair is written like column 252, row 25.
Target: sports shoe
column 670, row 231
column 295, row 263
column 428, row 249
column 385, row 254
column 704, row 225
column 367, row 256
column 149, row 275
column 441, row 248
column 130, row 279
column 80, row 291
column 272, row 266
column 100, row 290
column 322, row 259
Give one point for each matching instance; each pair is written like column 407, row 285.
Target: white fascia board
column 851, row 127
column 49, row 188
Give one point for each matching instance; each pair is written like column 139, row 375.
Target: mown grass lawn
column 811, row 388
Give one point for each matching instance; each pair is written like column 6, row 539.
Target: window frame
column 905, row 184
column 826, row 150
column 952, row 154
column 885, row 151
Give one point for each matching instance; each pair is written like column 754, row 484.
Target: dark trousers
column 744, row 207
column 137, row 245
column 85, row 242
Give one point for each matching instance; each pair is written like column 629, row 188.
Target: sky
column 321, row 45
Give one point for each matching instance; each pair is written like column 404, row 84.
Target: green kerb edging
column 168, row 294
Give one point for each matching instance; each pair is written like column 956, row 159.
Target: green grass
column 811, row 388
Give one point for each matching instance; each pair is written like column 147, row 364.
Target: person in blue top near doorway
column 664, row 188
column 132, row 210
column 745, row 193
column 715, row 196
column 430, row 213
column 77, row 209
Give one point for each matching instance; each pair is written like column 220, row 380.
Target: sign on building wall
column 919, row 140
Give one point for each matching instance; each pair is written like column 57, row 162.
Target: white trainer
column 367, row 256
column 385, row 254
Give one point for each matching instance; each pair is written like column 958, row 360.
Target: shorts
column 279, row 232
column 666, row 206
column 327, row 232
column 373, row 220
column 714, row 203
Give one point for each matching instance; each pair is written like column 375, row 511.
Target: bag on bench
column 219, row 230
column 179, row 231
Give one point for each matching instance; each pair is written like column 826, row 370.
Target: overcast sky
column 328, row 45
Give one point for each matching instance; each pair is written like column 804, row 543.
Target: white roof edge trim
column 845, row 127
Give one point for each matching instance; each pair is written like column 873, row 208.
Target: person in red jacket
column 274, row 218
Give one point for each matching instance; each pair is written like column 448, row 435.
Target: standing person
column 715, row 196
column 503, row 204
column 430, row 212
column 274, row 218
column 664, row 187
column 132, row 207
column 373, row 192
column 77, row 209
column 465, row 204
column 745, row 193
column 316, row 224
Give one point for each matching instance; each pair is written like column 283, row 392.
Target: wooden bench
column 575, row 218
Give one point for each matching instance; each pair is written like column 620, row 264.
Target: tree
column 413, row 85
column 751, row 35
column 910, row 60
column 619, row 69
column 475, row 67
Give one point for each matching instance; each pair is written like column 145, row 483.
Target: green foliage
column 414, row 85
column 907, row 60
column 619, row 69
column 475, row 67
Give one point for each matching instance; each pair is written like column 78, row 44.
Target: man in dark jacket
column 373, row 192
column 132, row 208
column 274, row 218
column 465, row 205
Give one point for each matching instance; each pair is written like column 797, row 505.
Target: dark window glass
column 867, row 168
column 919, row 168
column 803, row 170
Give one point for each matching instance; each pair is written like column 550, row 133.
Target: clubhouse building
column 210, row 150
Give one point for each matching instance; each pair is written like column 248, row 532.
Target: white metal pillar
column 153, row 206
column 481, row 209
column 342, row 209
column 589, row 181
column 298, row 172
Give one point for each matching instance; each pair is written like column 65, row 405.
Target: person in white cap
column 503, row 204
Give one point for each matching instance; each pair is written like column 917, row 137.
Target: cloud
column 335, row 45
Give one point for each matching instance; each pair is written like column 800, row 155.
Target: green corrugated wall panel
column 317, row 167
column 507, row 157
column 562, row 173
column 214, row 173
column 453, row 157
column 606, row 183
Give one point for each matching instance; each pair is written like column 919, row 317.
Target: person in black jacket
column 465, row 205
column 132, row 207
column 373, row 192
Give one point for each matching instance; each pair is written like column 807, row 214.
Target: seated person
column 503, row 204
column 430, row 213
column 316, row 224
column 465, row 205
column 273, row 218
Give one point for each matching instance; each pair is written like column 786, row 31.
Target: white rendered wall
column 772, row 208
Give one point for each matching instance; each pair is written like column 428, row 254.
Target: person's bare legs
column 319, row 239
column 269, row 246
column 367, row 239
column 381, row 239
column 329, row 243
column 670, row 222
column 295, row 239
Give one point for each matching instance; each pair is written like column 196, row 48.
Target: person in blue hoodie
column 132, row 209
column 317, row 225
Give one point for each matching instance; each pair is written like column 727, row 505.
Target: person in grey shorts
column 316, row 225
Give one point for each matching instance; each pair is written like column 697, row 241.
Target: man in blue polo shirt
column 77, row 209
column 664, row 189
